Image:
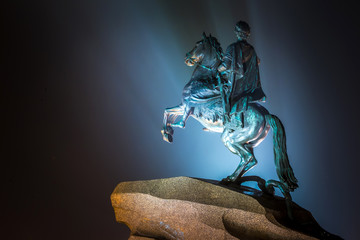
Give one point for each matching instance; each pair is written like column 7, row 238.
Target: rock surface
column 187, row 208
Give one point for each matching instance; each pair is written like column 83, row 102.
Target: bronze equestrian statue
column 224, row 95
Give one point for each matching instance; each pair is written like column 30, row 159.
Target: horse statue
column 202, row 99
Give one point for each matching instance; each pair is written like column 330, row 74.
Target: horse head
column 206, row 52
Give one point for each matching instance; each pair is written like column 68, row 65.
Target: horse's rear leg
column 246, row 165
column 244, row 151
column 247, row 161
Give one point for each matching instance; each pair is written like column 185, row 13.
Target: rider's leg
column 241, row 106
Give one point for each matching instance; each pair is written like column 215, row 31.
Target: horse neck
column 200, row 72
column 210, row 60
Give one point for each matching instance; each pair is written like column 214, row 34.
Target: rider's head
column 242, row 30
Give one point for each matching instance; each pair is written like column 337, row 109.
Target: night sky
column 84, row 85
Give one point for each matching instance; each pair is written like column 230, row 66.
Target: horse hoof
column 166, row 137
column 170, row 138
column 226, row 181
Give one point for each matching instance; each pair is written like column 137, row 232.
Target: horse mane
column 211, row 108
column 215, row 43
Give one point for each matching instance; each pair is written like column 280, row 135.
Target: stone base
column 187, row 208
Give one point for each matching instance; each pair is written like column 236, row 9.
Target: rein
column 197, row 63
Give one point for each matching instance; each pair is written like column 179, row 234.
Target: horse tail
column 283, row 168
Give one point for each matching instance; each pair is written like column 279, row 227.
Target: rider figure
column 240, row 66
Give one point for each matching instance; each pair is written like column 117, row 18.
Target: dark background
column 84, row 85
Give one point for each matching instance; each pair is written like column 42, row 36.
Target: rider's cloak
column 241, row 63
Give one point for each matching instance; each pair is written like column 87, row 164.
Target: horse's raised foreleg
column 186, row 114
column 170, row 115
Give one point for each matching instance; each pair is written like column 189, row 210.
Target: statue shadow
column 299, row 219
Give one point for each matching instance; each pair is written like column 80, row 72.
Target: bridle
column 218, row 57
